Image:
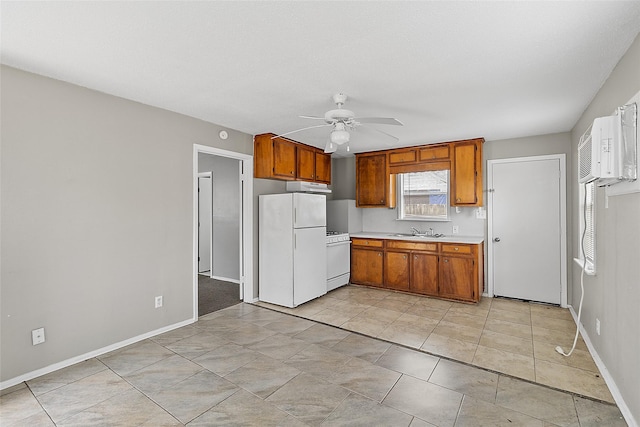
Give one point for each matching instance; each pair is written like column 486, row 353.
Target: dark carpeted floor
column 214, row 295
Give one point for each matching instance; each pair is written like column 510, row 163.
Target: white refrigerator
column 292, row 248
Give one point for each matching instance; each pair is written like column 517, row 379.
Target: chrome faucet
column 430, row 232
column 415, row 231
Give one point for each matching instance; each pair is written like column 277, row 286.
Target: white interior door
column 204, row 223
column 527, row 241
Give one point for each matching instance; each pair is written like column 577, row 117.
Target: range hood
column 307, row 187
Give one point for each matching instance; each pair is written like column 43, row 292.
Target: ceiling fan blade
column 312, row 117
column 395, row 138
column 330, row 147
column 379, row 120
column 298, row 130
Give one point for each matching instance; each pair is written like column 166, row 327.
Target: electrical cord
column 584, row 267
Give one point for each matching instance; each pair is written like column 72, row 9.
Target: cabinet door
column 284, row 159
column 424, row 273
column 402, row 156
column 323, row 167
column 306, row 163
column 457, row 279
column 366, row 266
column 466, row 179
column 434, row 153
column 371, row 180
column 396, row 270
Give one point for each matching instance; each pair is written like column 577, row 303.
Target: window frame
column 400, row 199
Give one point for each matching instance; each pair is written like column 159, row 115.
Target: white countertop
column 472, row 240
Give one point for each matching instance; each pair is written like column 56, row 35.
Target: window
column 423, row 196
column 588, row 227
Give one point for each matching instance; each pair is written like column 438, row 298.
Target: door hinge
column 198, row 259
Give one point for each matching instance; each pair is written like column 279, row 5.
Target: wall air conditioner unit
column 600, row 152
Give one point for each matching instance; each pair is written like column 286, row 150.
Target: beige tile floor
column 511, row 337
column 247, row 365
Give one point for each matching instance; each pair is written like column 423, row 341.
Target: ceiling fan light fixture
column 339, row 137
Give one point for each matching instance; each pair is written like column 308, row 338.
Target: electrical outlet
column 159, row 301
column 455, row 229
column 37, row 336
column 597, row 326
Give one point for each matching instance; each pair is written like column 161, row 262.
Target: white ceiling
column 448, row 70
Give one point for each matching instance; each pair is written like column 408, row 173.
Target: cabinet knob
column 456, row 248
column 415, row 257
column 458, row 199
column 381, row 201
column 404, row 257
column 379, row 253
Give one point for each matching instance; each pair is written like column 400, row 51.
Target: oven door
column 338, row 264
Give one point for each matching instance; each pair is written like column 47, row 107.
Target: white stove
column 336, row 236
column 338, row 259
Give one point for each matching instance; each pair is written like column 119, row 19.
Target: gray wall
column 225, row 214
column 343, row 178
column 613, row 294
column 96, row 218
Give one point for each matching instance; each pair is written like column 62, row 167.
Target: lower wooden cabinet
column 367, row 262
column 396, row 270
column 456, row 278
column 424, row 274
column 451, row 271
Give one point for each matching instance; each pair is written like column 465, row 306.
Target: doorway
column 230, row 225
column 527, row 228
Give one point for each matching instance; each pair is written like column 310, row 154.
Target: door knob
column 497, row 239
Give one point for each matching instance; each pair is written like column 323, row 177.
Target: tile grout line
column 449, row 358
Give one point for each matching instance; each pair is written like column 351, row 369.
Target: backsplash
column 381, row 220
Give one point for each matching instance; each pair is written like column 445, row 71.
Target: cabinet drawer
column 402, row 157
column 414, row 246
column 434, row 153
column 366, row 242
column 456, row 249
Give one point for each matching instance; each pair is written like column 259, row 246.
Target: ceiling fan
column 343, row 121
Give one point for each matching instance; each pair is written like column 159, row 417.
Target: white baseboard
column 613, row 387
column 72, row 361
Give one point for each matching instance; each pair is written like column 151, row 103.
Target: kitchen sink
column 434, row 236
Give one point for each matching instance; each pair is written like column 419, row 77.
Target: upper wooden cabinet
column 376, row 171
column 466, row 173
column 323, row 167
column 306, row 163
column 284, row 159
column 435, row 152
column 374, row 186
